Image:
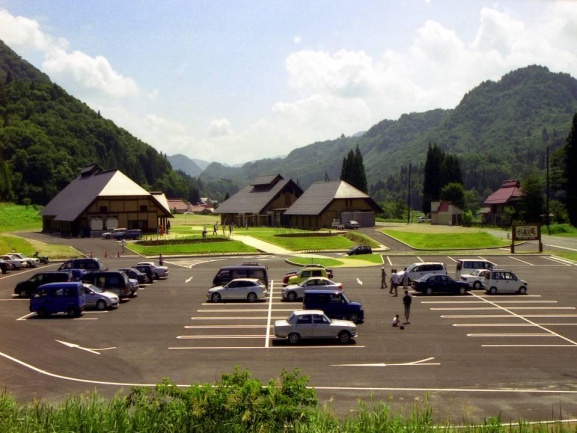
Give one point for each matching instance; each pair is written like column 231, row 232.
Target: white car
column 249, row 289
column 31, row 262
column 304, row 324
column 14, row 262
column 502, row 281
column 293, row 292
column 97, row 298
column 157, row 270
column 475, row 278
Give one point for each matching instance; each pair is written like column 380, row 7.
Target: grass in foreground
column 447, row 240
column 236, row 404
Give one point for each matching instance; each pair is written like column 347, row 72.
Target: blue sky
column 239, row 80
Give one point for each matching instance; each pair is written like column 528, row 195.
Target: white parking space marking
column 382, row 364
column 217, row 337
column 224, row 326
column 513, row 334
column 344, row 346
column 507, row 325
column 499, row 308
column 561, row 260
column 237, row 318
column 496, row 316
column 240, row 310
column 522, row 261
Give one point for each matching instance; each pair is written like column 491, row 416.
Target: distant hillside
column 499, row 130
column 185, row 164
column 47, row 136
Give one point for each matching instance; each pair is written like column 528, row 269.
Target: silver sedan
column 293, row 292
column 304, row 324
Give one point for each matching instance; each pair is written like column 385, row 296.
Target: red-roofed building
column 177, row 205
column 445, row 213
column 508, row 195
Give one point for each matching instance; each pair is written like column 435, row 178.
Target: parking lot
column 473, row 356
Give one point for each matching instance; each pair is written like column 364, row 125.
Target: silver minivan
column 503, row 281
column 420, row 269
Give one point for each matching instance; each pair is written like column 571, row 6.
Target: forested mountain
column 185, row 164
column 500, row 130
column 47, row 136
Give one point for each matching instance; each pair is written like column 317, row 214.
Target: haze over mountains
column 499, row 130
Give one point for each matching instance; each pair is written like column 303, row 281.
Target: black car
column 127, row 234
column 135, row 274
column 360, row 249
column 430, row 284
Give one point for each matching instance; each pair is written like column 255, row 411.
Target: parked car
column 243, row 270
column 250, row 289
column 475, row 278
column 14, row 262
column 26, row 288
column 360, row 249
column 4, row 266
column 111, row 233
column 335, row 305
column 468, row 265
column 297, row 291
column 77, row 274
column 157, row 271
column 336, row 224
column 310, row 265
column 305, row 324
column 112, row 281
column 431, row 284
column 127, row 234
column 352, row 224
column 135, row 274
column 420, row 269
column 31, row 262
column 423, row 219
column 502, row 281
column 99, row 299
column 306, row 273
column 54, row 298
column 89, row 263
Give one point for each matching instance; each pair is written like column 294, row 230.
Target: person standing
column 123, row 245
column 215, row 228
column 383, row 278
column 394, row 283
column 407, row 303
column 160, row 260
column 405, row 280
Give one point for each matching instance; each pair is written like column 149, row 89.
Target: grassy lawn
column 429, row 237
column 211, row 246
column 346, row 261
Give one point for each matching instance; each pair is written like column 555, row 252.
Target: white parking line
column 522, row 261
column 241, row 310
column 513, row 334
column 500, row 308
column 237, row 318
column 224, row 326
column 507, row 325
column 217, row 337
column 500, row 316
column 343, row 346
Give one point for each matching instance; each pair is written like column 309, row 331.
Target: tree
column 455, row 193
column 532, row 201
column 432, row 181
column 353, row 170
column 571, row 172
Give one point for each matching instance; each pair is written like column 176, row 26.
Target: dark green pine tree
column 360, row 176
column 451, row 171
column 432, row 182
column 571, row 172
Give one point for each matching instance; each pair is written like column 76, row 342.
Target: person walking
column 394, row 283
column 407, row 303
column 383, row 278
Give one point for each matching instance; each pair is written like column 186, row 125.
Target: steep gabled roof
column 255, row 197
column 92, row 183
column 321, row 194
column 510, row 190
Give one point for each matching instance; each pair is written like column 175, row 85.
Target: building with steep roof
column 446, row 213
column 262, row 203
column 508, row 195
column 99, row 200
column 324, row 202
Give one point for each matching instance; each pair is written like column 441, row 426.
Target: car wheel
column 41, row 313
column 493, row 290
column 294, row 338
column 23, row 293
column 215, row 297
column 429, row 291
column 462, row 290
column 354, row 317
column 522, row 290
column 292, row 296
column 252, row 297
column 344, row 337
column 71, row 312
column 101, row 305
column 477, row 285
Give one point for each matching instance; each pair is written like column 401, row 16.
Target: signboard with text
column 526, row 232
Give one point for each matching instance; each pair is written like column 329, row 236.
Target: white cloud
column 88, row 73
column 219, row 128
column 18, row 31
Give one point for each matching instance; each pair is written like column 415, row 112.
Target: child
column 395, row 321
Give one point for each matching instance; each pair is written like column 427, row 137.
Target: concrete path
column 265, row 247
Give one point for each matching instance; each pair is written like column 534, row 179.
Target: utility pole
column 547, row 195
column 409, row 196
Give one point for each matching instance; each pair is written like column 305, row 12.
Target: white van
column 503, row 281
column 466, row 266
column 420, row 269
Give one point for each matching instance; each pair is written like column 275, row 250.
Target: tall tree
column 353, row 170
column 432, row 181
column 571, row 172
column 533, row 198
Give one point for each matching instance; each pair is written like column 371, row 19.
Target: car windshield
column 411, row 267
column 94, row 288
